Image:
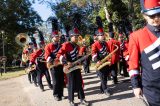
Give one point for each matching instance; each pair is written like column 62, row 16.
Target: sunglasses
column 153, row 16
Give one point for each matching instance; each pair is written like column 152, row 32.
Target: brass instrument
column 22, row 39
column 51, row 65
column 74, row 65
column 29, row 69
column 54, row 63
column 104, row 61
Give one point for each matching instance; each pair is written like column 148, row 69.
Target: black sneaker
column 84, row 102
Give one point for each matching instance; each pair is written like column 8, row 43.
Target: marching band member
column 68, row 54
column 38, row 58
column 112, row 43
column 27, row 53
column 57, row 73
column 124, row 55
column 25, row 58
column 100, row 50
column 144, row 50
column 84, row 51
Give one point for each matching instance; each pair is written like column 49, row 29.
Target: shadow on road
column 117, row 89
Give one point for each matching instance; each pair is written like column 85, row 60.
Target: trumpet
column 104, row 61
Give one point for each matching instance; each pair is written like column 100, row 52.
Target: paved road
column 19, row 92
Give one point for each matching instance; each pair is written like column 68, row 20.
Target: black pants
column 58, row 81
column 86, row 64
column 32, row 76
column 103, row 74
column 75, row 85
column 40, row 73
column 113, row 70
column 123, row 66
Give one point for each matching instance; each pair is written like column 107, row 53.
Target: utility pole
column 4, row 62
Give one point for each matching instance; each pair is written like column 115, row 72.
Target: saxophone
column 74, row 65
column 104, row 61
column 55, row 63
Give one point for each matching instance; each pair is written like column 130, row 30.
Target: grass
column 12, row 74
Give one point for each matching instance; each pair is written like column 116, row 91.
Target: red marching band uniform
column 100, row 50
column 140, row 47
column 86, row 62
column 69, row 52
column 57, row 73
column 124, row 55
column 37, row 58
column 113, row 45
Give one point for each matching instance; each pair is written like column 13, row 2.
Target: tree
column 120, row 12
column 16, row 16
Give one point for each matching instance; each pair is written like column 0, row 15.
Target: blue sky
column 42, row 10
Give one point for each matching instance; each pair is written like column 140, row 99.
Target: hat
column 100, row 31
column 54, row 27
column 55, row 34
column 150, row 7
column 74, row 32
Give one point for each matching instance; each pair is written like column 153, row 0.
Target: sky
column 42, row 10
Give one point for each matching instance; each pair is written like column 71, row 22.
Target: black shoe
column 42, row 89
column 101, row 92
column 107, row 93
column 84, row 102
column 115, row 82
column 72, row 103
column 57, row 98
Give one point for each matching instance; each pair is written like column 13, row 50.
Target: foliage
column 16, row 16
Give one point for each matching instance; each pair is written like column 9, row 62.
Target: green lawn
column 12, row 74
